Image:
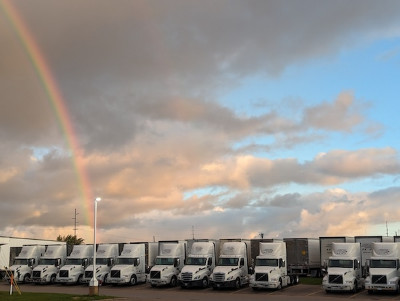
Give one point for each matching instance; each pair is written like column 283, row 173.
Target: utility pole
column 193, row 231
column 75, row 222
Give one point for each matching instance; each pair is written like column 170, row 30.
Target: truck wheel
column 237, row 283
column 133, row 280
column 79, row 279
column 52, row 279
column 173, row 281
column 354, row 287
column 280, row 284
column 26, row 278
column 204, row 282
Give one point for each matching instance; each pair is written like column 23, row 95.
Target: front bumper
column 336, row 287
column 264, row 284
column 381, row 287
column 159, row 282
column 192, row 283
column 230, row 283
column 117, row 280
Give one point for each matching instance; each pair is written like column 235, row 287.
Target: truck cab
column 26, row 261
column 50, row 264
column 270, row 267
column 75, row 265
column 169, row 263
column 232, row 269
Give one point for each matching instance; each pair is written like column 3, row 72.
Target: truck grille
column 261, row 277
column 88, row 274
column 187, row 276
column 219, row 277
column 155, row 274
column 36, row 274
column 338, row 279
column 380, row 279
column 115, row 274
column 64, row 273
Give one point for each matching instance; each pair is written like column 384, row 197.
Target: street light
column 94, row 284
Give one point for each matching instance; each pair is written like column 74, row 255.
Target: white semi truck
column 232, row 269
column 26, row 261
column 169, row 263
column 131, row 265
column 270, row 269
column 106, row 255
column 384, row 274
column 75, row 265
column 199, row 265
column 344, row 269
column 49, row 264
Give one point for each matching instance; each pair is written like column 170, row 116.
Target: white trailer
column 131, row 265
column 270, row 269
column 106, row 255
column 75, row 265
column 169, row 262
column 344, row 268
column 384, row 274
column 232, row 269
column 50, row 264
column 26, row 261
column 199, row 264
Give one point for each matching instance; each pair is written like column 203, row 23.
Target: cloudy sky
column 208, row 118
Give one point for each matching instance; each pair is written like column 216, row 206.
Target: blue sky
column 265, row 117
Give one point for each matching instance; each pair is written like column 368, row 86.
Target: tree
column 70, row 239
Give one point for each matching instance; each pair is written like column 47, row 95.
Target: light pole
column 94, row 284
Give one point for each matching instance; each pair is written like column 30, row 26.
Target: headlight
column 349, row 281
column 229, row 278
column 392, row 282
column 196, row 277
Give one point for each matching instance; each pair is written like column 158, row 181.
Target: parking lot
column 144, row 292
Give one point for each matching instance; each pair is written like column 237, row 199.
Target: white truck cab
column 232, row 269
column 169, row 263
column 344, row 268
column 49, row 264
column 26, row 261
column 75, row 265
column 270, row 269
column 199, row 265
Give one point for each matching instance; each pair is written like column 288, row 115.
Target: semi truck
column 270, row 269
column 131, row 265
column 169, row 263
column 326, row 246
column 50, row 264
column 384, row 274
column 303, row 256
column 106, row 255
column 344, row 268
column 199, row 265
column 75, row 265
column 366, row 246
column 233, row 265
column 26, row 261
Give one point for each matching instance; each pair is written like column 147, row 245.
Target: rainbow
column 56, row 101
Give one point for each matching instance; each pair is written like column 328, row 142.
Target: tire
column 370, row 292
column 133, row 280
column 237, row 283
column 79, row 279
column 173, row 281
column 52, row 279
column 26, row 278
column 153, row 285
column 204, row 282
column 354, row 287
column 104, row 283
column 280, row 284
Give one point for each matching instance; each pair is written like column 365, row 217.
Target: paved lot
column 143, row 292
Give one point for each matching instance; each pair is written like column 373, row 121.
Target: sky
column 204, row 119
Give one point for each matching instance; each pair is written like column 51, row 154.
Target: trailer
column 303, row 257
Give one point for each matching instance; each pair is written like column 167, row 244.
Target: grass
column 5, row 296
column 311, row 280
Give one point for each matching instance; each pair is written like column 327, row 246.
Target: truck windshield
column 126, row 261
column 47, row 261
column 196, row 261
column 102, row 261
column 164, row 261
column 21, row 261
column 228, row 261
column 340, row 263
column 267, row 262
column 73, row 261
column 382, row 263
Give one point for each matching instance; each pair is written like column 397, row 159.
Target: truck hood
column 340, row 271
column 265, row 269
column 225, row 269
column 72, row 267
column 193, row 268
column 122, row 267
column 44, row 268
column 389, row 273
column 160, row 268
column 98, row 268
